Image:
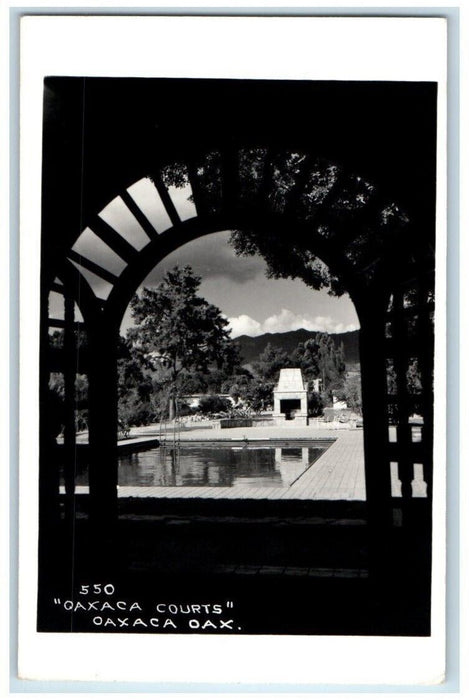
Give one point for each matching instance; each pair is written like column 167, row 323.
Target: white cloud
column 244, row 325
column 285, row 321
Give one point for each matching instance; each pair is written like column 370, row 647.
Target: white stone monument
column 291, row 398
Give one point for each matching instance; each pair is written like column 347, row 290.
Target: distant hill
column 251, row 347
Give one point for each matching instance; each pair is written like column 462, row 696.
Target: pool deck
column 338, row 474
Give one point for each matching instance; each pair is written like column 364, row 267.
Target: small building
column 291, row 398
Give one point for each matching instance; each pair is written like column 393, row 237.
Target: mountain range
column 251, row 347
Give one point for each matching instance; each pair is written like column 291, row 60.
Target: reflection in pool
column 217, row 466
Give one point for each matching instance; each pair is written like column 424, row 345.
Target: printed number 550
column 96, row 589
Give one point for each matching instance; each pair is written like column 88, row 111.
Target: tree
column 57, row 386
column 271, row 361
column 214, row 404
column 413, row 388
column 331, row 365
column 192, row 383
column 353, row 392
column 179, row 330
column 331, row 199
column 239, row 379
column 306, row 357
column 134, row 386
column 56, row 339
column 235, row 393
column 286, row 259
column 315, row 405
column 258, row 395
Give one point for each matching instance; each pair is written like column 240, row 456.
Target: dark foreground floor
column 236, row 569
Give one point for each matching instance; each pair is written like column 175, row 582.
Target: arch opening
column 276, row 323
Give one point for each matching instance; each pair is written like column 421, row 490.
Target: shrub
column 315, row 404
column 183, row 409
column 214, row 404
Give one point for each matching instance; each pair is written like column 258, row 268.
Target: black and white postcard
column 232, row 401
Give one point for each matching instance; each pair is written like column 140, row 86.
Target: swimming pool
column 211, row 465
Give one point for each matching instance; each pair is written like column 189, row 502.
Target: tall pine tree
column 180, row 330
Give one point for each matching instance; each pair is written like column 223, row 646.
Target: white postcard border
column 73, row 46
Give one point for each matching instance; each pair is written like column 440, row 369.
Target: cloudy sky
column 253, row 303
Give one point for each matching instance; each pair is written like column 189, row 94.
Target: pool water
column 217, row 466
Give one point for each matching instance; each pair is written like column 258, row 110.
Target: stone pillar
column 304, row 405
column 277, row 410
